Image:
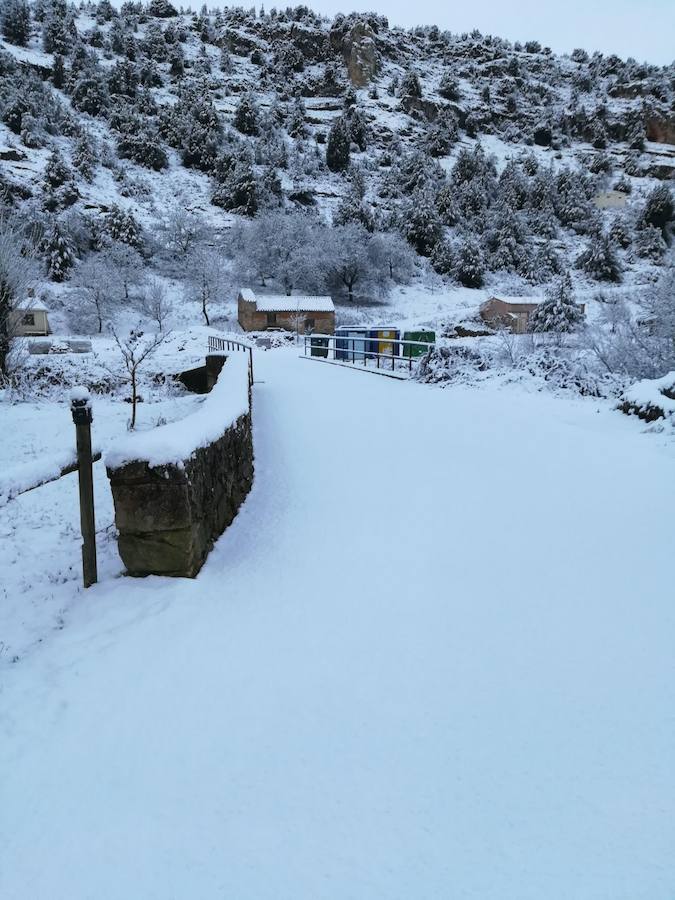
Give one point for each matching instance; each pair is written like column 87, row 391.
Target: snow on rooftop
column 505, row 299
column 281, row 303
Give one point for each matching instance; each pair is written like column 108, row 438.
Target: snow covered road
column 433, row 657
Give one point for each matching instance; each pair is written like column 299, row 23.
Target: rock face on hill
column 360, row 54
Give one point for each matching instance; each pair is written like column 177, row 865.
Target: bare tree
column 183, row 229
column 135, row 348
column 17, row 271
column 207, row 278
column 125, row 267
column 155, row 303
column 94, row 285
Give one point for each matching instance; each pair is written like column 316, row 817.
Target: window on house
column 271, row 318
column 28, row 319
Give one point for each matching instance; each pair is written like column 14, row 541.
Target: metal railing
column 356, row 350
column 230, row 345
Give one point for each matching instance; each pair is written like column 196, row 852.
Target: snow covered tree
column 58, row 28
column 58, row 253
column 207, row 278
column 443, row 258
column 600, row 259
column 392, row 253
column 347, row 259
column 120, row 225
column 420, row 223
column 182, row 229
column 15, row 22
column 558, row 312
column 337, row 149
column 135, row 349
column 648, row 243
column 659, row 209
column 449, row 87
column 410, row 85
column 90, row 94
column 661, row 308
column 247, row 116
column 469, row 266
column 85, row 156
column 95, row 300
column 296, row 123
column 17, row 271
column 155, row 303
column 358, row 129
column 236, row 189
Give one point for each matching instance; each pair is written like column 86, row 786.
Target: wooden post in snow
column 80, row 406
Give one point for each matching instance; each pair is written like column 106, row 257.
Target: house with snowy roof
column 509, row 312
column 302, row 314
column 31, row 319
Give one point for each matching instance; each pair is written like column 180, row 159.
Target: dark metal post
column 82, row 417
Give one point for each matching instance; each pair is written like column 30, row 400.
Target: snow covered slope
column 432, row 657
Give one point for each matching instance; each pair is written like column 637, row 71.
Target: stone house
column 511, row 312
column 295, row 313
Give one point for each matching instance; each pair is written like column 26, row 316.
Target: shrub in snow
column 358, row 129
column 337, row 148
column 450, row 364
column 558, row 313
column 161, row 9
column 144, row 149
column 651, row 399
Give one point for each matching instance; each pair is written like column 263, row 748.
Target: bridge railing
column 362, row 350
column 221, row 344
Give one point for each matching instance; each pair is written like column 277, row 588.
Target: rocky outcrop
column 660, row 130
column 419, row 108
column 359, row 51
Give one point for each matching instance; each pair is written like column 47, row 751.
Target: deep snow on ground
column 432, row 657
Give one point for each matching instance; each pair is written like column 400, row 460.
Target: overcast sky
column 644, row 29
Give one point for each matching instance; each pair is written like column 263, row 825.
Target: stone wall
column 168, row 516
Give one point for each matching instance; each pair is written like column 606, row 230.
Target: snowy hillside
column 141, row 142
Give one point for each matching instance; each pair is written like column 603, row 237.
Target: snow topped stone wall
column 178, row 487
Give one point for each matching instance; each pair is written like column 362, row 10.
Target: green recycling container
column 318, row 346
column 426, row 337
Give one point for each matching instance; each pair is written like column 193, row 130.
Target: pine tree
column 15, row 22
column 236, row 190
column 58, row 253
column 122, row 226
column 358, row 129
column 295, row 120
column 469, row 267
column 449, row 87
column 558, row 312
column 410, row 85
column 421, row 224
column 443, row 258
column 648, row 243
column 659, row 209
column 337, row 150
column 247, row 116
column 599, row 259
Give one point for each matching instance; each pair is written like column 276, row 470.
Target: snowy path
column 432, row 658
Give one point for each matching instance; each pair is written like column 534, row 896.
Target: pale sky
column 644, row 29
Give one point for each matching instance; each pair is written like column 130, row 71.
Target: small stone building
column 511, row 312
column 295, row 313
column 31, row 320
